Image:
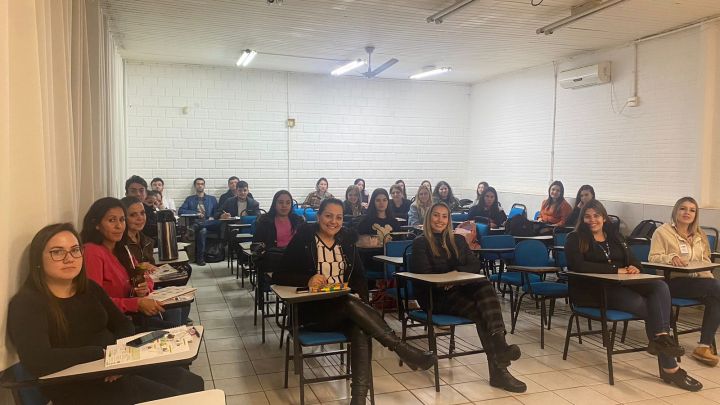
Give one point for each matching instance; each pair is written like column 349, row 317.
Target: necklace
column 605, row 247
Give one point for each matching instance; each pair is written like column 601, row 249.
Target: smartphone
column 301, row 290
column 145, row 339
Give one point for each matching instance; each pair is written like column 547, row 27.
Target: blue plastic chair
column 459, row 216
column 533, row 253
column 537, row 215
column 517, row 209
column 393, row 249
column 310, row 215
column 482, row 230
column 23, row 386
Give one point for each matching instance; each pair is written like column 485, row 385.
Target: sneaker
column 705, row 355
column 200, row 262
column 666, row 345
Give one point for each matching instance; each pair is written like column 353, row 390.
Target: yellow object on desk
column 330, row 287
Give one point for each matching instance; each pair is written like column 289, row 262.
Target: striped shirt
column 330, row 261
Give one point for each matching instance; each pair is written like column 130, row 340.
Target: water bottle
column 167, row 240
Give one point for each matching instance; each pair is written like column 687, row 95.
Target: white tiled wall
column 235, row 124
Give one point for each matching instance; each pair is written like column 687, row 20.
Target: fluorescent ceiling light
column 247, row 56
column 438, row 17
column 431, row 72
column 346, row 68
column 584, row 12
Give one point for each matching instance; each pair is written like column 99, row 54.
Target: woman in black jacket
column 59, row 319
column 585, row 194
column 594, row 247
column 325, row 253
column 438, row 250
column 279, row 225
column 489, row 207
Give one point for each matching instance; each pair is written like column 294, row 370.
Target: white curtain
column 60, row 115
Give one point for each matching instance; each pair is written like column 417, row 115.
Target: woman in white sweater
column 679, row 243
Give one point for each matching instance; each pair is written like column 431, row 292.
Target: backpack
column 644, row 230
column 468, row 230
column 519, row 226
column 214, row 251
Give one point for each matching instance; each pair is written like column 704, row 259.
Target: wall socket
column 633, row 101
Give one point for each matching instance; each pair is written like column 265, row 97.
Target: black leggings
column 148, row 385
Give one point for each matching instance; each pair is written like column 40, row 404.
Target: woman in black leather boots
column 439, row 251
column 325, row 253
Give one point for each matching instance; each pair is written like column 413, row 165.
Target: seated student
column 314, row 199
column 136, row 186
column 59, row 319
column 241, row 204
column 402, row 186
column 109, row 262
column 596, row 247
column 279, row 225
column 420, row 207
column 204, row 206
column 427, row 184
column 352, row 206
column 230, row 193
column 399, row 205
column 324, row 253
column 585, row 194
column 481, row 187
column 490, row 209
column 438, row 251
column 141, row 247
column 443, row 193
column 555, row 209
column 166, row 200
column 379, row 221
column 154, row 199
column 678, row 243
column 363, row 192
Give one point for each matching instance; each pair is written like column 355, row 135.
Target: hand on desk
column 150, row 307
column 200, row 215
column 224, row 215
column 317, row 281
column 142, row 290
column 628, row 270
column 678, row 261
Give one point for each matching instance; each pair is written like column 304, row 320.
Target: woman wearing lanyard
column 679, row 243
column 594, row 247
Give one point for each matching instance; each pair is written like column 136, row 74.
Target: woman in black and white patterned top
column 325, row 253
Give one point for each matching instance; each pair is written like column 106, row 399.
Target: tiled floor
column 233, row 359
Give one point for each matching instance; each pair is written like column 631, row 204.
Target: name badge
column 684, row 249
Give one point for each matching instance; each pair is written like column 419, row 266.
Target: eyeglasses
column 59, row 255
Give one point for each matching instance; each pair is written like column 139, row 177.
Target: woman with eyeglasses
column 72, row 320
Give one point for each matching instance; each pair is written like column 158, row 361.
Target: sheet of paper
column 176, row 341
column 168, row 293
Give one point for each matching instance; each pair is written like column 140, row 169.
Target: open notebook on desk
column 169, row 294
column 177, row 340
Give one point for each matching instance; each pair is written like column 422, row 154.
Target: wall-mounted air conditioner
column 585, row 76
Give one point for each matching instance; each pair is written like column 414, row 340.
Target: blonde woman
column 438, row 251
column 679, row 243
column 352, row 205
column 420, row 207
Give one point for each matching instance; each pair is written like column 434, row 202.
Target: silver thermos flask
column 167, row 240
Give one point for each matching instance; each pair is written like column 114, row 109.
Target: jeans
column 201, row 229
column 706, row 290
column 649, row 301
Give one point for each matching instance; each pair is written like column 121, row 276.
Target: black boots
column 499, row 355
column 372, row 323
column 503, row 352
column 681, row 379
column 666, row 345
column 501, row 378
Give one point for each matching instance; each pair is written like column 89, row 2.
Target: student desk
column 541, row 238
column 497, row 231
column 714, row 255
column 396, row 260
column 292, row 299
column 692, row 267
column 180, row 246
column 182, row 259
column 209, row 397
column 96, row 369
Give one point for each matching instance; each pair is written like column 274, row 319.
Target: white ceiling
column 484, row 39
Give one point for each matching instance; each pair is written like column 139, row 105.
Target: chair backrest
column 531, row 253
column 299, row 211
column 459, row 216
column 310, row 215
column 24, row 392
column 559, row 239
column 644, row 230
column 248, row 219
column 712, row 235
column 497, row 241
column 641, row 251
column 407, row 259
column 517, row 209
column 537, row 215
column 395, row 248
column 482, row 230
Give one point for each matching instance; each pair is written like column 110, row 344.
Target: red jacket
column 105, row 269
column 549, row 216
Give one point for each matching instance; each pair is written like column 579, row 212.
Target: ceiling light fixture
column 348, row 67
column 247, row 56
column 438, row 17
column 578, row 13
column 430, row 72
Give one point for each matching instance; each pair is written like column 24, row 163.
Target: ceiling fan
column 370, row 73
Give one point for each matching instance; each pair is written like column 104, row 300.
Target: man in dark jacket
column 241, row 204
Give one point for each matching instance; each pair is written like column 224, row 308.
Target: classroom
column 210, row 159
